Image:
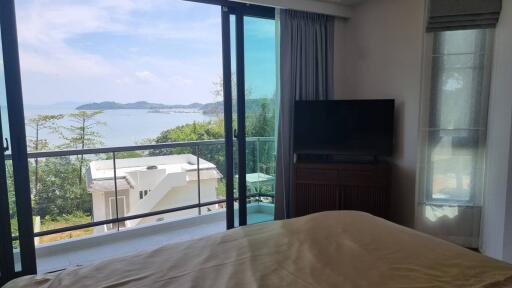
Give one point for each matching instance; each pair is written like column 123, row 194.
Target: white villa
column 150, row 184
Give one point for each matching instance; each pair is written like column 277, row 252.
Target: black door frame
column 240, row 11
column 228, row 117
column 18, row 148
column 240, row 113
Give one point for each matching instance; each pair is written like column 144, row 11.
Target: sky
column 164, row 51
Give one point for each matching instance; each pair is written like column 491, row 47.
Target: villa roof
column 108, row 185
column 100, row 174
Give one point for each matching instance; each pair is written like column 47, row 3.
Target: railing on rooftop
column 196, row 147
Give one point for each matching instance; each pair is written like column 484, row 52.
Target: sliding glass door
column 16, row 233
column 260, row 116
column 138, row 97
column 252, row 68
column 169, row 75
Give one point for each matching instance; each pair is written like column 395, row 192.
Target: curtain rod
column 327, row 8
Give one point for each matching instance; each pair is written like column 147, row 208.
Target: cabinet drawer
column 311, row 175
column 345, row 186
column 360, row 179
column 313, row 198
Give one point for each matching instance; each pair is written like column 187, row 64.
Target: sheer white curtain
column 454, row 108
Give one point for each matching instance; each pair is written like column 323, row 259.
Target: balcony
column 164, row 193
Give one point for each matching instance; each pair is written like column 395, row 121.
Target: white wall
column 184, row 195
column 99, row 210
column 378, row 55
column 497, row 213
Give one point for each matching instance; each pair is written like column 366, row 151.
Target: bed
column 329, row 249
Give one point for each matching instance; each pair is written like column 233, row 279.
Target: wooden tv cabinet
column 341, row 186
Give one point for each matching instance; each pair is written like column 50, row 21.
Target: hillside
column 111, row 105
column 215, row 108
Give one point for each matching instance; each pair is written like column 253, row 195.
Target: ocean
column 122, row 127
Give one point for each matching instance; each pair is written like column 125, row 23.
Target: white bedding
column 330, row 249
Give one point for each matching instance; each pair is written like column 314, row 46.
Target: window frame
column 114, row 215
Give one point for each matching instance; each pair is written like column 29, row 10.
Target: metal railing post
column 258, row 194
column 115, row 188
column 198, row 181
column 257, row 155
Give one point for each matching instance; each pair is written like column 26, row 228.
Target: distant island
column 215, row 108
column 208, row 108
column 111, row 105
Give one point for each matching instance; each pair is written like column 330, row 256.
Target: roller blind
column 447, row 15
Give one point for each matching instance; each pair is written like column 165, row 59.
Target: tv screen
column 349, row 127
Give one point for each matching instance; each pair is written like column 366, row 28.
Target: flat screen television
column 344, row 127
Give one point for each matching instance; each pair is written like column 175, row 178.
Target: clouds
column 155, row 50
column 147, row 76
column 44, row 27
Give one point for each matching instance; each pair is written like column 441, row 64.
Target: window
column 454, row 117
column 121, row 211
column 74, row 55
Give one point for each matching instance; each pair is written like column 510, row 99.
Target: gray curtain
column 306, row 73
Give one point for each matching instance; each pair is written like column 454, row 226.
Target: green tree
column 62, row 189
column 260, row 122
column 12, row 201
column 83, row 134
column 10, row 188
column 61, row 193
column 39, row 123
column 197, row 131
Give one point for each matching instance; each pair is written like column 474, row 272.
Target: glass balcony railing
column 88, row 192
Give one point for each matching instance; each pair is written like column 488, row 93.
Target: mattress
column 330, row 249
